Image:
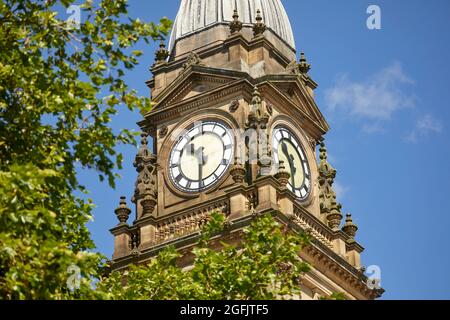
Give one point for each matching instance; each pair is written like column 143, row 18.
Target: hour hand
column 200, row 156
column 198, row 153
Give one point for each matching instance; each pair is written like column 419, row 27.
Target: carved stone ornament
column 258, row 119
column 192, row 60
column 162, row 53
column 282, row 175
column 259, row 27
column 304, row 66
column 163, row 131
column 238, row 172
column 258, row 116
column 292, row 67
column 234, row 106
column 235, row 25
column 327, row 196
column 122, row 211
column 146, row 190
column 269, row 108
column 350, row 228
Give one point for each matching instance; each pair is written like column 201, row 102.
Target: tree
column 266, row 265
column 60, row 84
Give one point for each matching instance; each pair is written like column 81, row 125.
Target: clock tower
column 234, row 129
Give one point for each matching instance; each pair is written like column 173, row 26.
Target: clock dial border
column 176, row 175
column 282, row 133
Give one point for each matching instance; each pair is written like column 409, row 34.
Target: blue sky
column 386, row 96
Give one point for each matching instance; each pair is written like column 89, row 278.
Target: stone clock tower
column 234, row 130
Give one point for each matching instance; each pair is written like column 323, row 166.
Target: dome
column 196, row 15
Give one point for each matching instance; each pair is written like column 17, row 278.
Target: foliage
column 59, row 87
column 338, row 296
column 265, row 265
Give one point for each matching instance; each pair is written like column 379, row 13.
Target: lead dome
column 197, row 15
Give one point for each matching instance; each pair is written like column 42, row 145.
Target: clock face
column 287, row 148
column 201, row 157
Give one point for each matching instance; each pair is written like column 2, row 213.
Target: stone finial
column 238, row 172
column 162, row 53
column 328, row 202
column 122, row 211
column 236, row 24
column 283, row 175
column 304, row 66
column 259, row 27
column 334, row 216
column 350, row 228
column 146, row 191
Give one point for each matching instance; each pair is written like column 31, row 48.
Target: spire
column 327, row 196
column 236, row 24
column 146, row 192
column 162, row 53
column 304, row 66
column 259, row 27
column 350, row 228
column 122, row 211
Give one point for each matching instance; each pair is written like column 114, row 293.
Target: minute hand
column 290, row 159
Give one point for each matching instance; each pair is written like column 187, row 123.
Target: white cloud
column 376, row 99
column 340, row 190
column 425, row 126
column 373, row 128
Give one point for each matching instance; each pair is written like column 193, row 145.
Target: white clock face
column 287, row 148
column 201, row 157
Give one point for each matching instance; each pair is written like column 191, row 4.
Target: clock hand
column 201, row 158
column 290, row 159
column 294, row 170
column 198, row 155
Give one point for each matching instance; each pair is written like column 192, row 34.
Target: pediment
column 297, row 93
column 190, row 83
